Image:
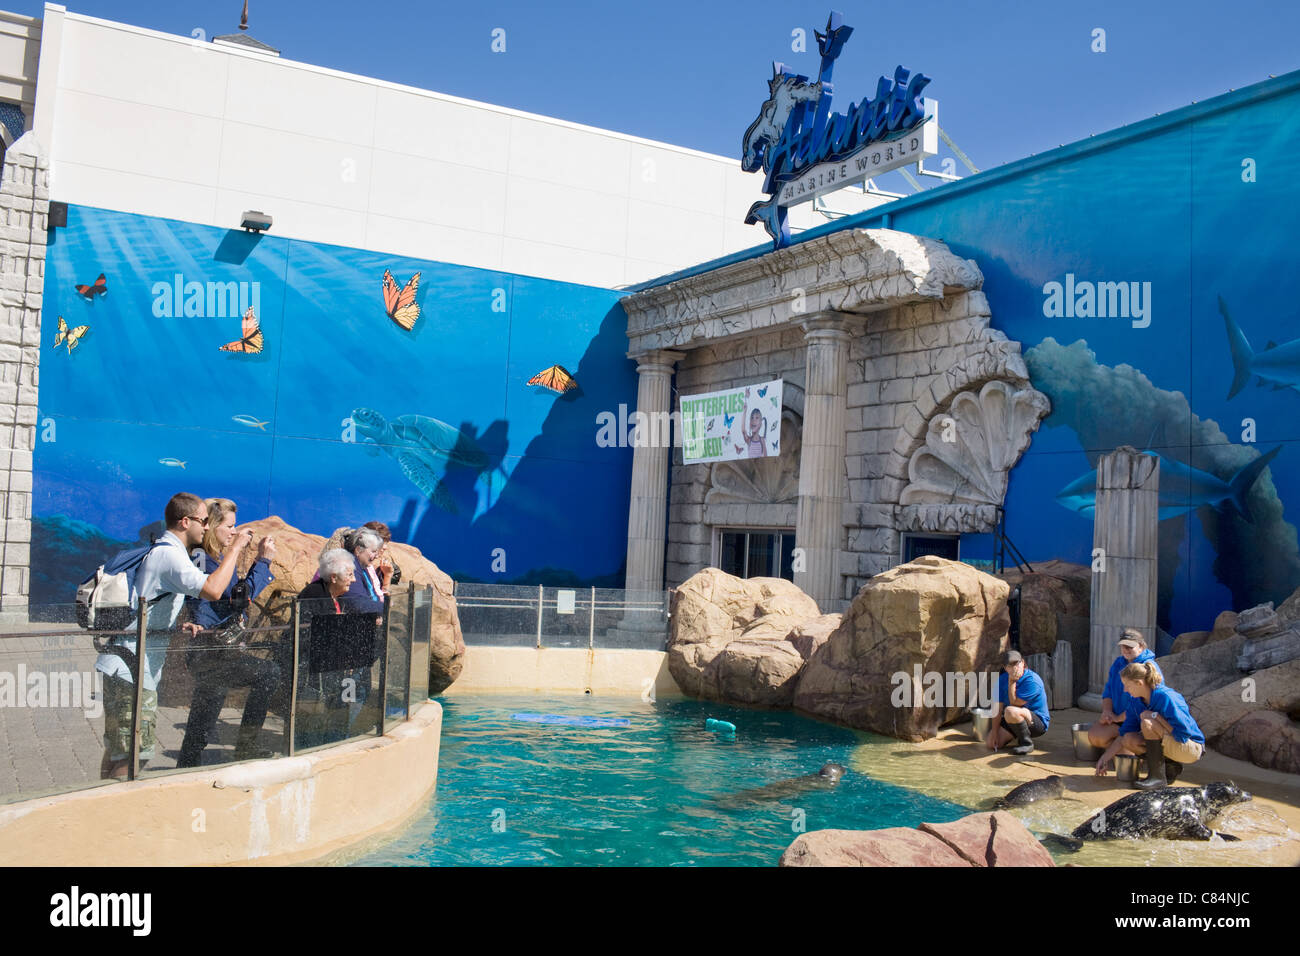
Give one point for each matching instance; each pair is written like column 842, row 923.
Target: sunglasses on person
column 203, row 522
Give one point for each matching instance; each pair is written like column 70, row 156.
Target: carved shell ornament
column 970, row 449
column 773, row 480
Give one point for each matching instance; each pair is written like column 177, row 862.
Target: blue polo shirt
column 1030, row 689
column 1114, row 690
column 1170, row 705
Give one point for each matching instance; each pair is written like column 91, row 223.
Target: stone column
column 24, row 205
column 1124, row 542
column 820, row 524
column 647, row 516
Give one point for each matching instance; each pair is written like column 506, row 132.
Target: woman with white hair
column 368, row 588
column 327, row 595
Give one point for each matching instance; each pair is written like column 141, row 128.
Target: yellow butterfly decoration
column 72, row 336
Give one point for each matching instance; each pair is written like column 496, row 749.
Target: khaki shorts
column 119, row 704
column 1189, row 752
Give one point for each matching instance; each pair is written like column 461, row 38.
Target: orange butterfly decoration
column 556, row 378
column 400, row 303
column 252, row 341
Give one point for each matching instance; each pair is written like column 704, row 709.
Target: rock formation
column 942, row 616
column 981, row 839
column 743, row 641
column 295, row 563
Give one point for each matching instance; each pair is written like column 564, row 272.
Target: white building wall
column 149, row 123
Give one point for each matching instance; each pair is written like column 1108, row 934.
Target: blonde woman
column 219, row 659
column 1158, row 724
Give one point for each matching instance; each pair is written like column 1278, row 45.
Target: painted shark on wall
column 1183, row 488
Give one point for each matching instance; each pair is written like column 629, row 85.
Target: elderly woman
column 370, row 587
column 327, row 595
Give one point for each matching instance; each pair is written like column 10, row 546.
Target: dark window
column 918, row 545
column 757, row 554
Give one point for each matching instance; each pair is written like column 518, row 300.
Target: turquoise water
column 518, row 793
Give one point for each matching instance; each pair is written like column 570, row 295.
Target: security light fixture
column 255, row 221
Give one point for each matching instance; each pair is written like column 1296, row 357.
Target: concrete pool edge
column 300, row 809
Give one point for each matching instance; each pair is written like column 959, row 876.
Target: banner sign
column 805, row 149
column 741, row 422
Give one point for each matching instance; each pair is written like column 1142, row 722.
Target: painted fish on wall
column 1277, row 365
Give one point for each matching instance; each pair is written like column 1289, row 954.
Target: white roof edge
column 230, row 50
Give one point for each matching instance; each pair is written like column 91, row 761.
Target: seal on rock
column 824, row 779
column 1048, row 788
column 1173, row 813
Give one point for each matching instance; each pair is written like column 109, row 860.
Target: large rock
column 1274, row 688
column 297, row 555
column 743, row 640
column 943, row 616
column 1189, row 641
column 981, row 839
column 1267, row 738
column 1052, row 593
column 1203, row 669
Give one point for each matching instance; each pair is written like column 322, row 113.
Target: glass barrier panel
column 52, row 713
column 420, row 631
column 498, row 615
column 631, row 620
column 397, row 675
column 338, row 675
column 566, row 617
column 221, row 696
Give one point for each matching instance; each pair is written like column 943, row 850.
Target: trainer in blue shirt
column 1157, row 724
column 1022, row 706
column 1114, row 699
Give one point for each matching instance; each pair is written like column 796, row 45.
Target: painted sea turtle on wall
column 423, row 448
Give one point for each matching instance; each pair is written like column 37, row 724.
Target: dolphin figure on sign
column 1277, row 365
column 1183, row 488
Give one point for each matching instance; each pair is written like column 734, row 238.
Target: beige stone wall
column 290, row 810
column 905, row 365
column 759, row 358
column 565, row 671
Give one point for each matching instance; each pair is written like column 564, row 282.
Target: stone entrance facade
column 904, row 411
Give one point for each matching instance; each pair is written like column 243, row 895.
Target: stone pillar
column 820, row 524
column 24, row 205
column 1124, row 542
column 647, row 515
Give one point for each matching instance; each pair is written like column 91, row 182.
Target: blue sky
column 1013, row 77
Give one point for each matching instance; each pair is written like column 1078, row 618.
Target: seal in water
column 1174, row 813
column 824, row 779
column 1049, row 788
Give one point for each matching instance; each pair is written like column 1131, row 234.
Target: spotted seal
column 1172, row 813
column 1048, row 788
column 824, row 779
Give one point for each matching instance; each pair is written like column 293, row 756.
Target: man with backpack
column 165, row 578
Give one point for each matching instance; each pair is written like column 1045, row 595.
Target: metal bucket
column 981, row 722
column 1083, row 749
column 1126, row 767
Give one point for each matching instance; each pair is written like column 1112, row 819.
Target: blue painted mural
column 1145, row 277
column 328, row 386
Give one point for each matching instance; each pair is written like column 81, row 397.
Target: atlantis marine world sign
column 806, row 150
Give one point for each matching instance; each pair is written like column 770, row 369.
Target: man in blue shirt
column 1022, row 706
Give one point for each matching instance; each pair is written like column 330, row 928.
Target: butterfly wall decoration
column 71, row 336
column 399, row 302
column 251, row 340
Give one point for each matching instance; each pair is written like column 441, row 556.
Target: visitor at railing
column 385, row 559
column 218, row 657
column 165, row 578
column 334, row 637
